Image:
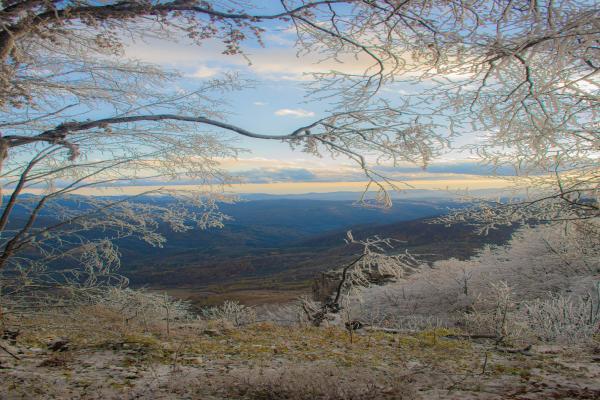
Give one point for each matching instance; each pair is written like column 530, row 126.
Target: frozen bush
column 293, row 313
column 556, row 318
column 231, row 311
column 495, row 313
column 143, row 306
column 564, row 319
column 553, row 258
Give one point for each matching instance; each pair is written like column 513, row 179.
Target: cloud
column 204, row 72
column 294, row 112
column 280, row 38
column 258, row 170
column 457, row 167
column 278, row 175
column 271, row 63
column 260, row 103
column 278, row 60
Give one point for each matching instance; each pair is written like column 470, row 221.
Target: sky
column 276, row 103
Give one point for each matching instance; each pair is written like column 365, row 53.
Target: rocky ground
column 265, row 361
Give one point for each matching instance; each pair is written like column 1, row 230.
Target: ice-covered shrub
column 141, row 306
column 557, row 258
column 555, row 318
column 495, row 313
column 292, row 313
column 565, row 319
column 231, row 311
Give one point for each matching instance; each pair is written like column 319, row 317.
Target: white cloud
column 260, row 103
column 294, row 112
column 204, row 72
column 275, row 63
column 281, row 38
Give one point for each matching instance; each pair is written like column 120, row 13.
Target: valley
column 273, row 248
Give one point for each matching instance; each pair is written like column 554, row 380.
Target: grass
column 105, row 329
column 268, row 361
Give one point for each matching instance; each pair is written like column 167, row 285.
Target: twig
column 469, row 337
column 408, row 331
column 523, row 351
column 9, row 352
column 485, row 361
column 389, row 330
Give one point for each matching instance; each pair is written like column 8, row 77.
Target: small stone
column 60, row 344
column 10, row 336
column 193, row 359
column 211, row 332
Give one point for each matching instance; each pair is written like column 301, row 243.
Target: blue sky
column 277, row 103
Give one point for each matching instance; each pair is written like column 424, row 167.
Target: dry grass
column 321, row 383
column 215, row 360
column 112, row 354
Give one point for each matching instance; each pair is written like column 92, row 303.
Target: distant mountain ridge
column 278, row 246
column 279, row 243
column 402, row 195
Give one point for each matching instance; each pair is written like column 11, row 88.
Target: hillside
column 424, row 338
column 273, row 249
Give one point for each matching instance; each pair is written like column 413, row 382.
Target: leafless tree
column 523, row 76
column 75, row 113
column 376, row 260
